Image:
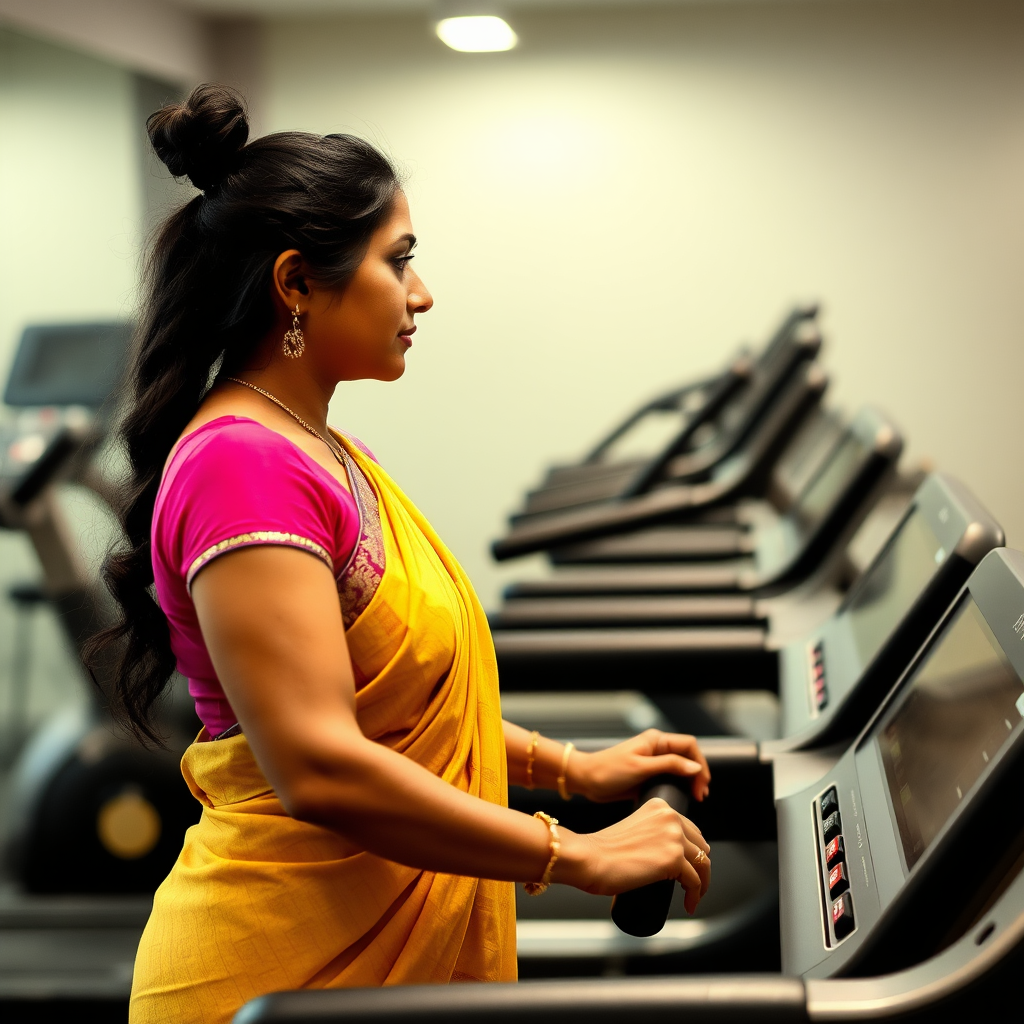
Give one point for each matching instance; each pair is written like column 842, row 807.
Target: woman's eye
column 401, row 261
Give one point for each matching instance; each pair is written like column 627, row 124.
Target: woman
column 353, row 765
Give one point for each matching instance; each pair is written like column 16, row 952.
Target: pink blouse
column 234, row 483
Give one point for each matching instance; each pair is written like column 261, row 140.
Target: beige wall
column 614, row 206
column 70, row 196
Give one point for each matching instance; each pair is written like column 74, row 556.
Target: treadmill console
column 867, row 855
column 832, row 681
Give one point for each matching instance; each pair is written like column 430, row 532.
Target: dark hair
column 208, row 303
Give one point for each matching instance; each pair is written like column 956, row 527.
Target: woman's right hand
column 652, row 844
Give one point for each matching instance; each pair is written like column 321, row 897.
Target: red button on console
column 838, row 882
column 834, row 851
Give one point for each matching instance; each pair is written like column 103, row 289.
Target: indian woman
column 353, row 765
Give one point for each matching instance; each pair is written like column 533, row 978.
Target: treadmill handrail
column 735, row 420
column 753, row 998
column 734, row 375
column 764, row 381
column 720, row 393
column 62, row 447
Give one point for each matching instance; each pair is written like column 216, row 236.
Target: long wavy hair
column 207, row 305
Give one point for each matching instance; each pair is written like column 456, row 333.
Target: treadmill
column 71, row 910
column 725, row 530
column 705, row 423
column 745, row 471
column 830, row 508
column 869, row 837
column 829, row 677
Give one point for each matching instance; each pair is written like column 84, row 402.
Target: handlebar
column 60, row 448
column 644, row 911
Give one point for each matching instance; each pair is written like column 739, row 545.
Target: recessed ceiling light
column 483, row 33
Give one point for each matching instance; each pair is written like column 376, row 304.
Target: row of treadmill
column 740, row 537
column 735, row 540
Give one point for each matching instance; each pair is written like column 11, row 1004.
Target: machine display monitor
column 889, row 588
column 958, row 712
column 67, row 364
column 824, row 490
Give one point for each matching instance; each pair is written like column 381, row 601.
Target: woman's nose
column 420, row 300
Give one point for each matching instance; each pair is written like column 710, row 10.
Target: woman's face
column 364, row 330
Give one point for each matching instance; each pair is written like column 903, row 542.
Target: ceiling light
column 476, row 33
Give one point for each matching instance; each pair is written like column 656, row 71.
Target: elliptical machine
column 91, row 810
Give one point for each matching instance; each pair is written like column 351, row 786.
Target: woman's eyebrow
column 407, row 237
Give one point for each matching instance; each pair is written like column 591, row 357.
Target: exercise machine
column 900, row 862
column 704, row 423
column 90, row 810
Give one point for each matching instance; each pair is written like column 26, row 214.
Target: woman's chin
column 396, row 369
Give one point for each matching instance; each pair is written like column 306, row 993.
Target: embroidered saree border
column 257, row 537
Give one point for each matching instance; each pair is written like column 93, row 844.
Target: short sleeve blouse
column 234, row 483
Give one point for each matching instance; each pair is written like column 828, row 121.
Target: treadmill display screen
column 955, row 716
column 827, row 487
column 888, row 589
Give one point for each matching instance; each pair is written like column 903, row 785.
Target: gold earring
column 294, row 340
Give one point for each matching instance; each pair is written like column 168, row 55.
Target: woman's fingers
column 702, row 864
column 677, row 764
column 695, row 877
column 672, row 764
column 686, row 747
column 694, row 835
column 693, row 886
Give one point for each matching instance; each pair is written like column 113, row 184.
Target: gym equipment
column 826, row 514
column 744, row 472
column 899, row 861
column 705, row 422
column 810, row 543
column 688, row 484
column 91, row 810
column 727, row 530
column 829, row 678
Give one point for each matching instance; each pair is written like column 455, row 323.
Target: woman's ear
column 290, row 279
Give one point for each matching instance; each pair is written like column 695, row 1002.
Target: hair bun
column 203, row 137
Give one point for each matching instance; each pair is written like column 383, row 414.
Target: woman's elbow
column 323, row 793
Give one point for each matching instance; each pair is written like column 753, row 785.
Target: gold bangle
column 531, row 754
column 562, row 791
column 536, row 888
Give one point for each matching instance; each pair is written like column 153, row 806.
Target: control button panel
column 838, row 904
column 819, row 682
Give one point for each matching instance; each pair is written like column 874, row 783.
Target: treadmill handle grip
column 40, row 473
column 644, row 911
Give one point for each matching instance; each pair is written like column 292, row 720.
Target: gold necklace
column 336, row 450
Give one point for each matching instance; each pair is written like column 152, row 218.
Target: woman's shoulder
column 226, row 436
column 235, row 456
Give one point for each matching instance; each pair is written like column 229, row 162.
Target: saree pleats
column 259, row 902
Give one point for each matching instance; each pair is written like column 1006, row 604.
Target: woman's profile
column 353, row 766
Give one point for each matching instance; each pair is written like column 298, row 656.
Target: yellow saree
column 259, row 902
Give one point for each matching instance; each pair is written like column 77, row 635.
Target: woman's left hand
column 618, row 772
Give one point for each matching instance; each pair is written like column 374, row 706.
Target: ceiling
column 276, row 7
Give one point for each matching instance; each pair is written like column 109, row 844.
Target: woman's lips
column 406, row 337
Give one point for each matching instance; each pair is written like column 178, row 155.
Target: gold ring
column 700, row 856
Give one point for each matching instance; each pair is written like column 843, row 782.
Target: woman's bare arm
column 272, row 624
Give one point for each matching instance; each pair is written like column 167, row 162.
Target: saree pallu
column 258, row 902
